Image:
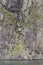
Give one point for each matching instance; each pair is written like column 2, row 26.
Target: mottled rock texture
column 26, row 42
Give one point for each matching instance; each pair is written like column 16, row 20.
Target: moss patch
column 8, row 15
column 18, row 48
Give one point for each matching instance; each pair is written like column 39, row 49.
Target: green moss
column 18, row 48
column 15, row 51
column 41, row 5
column 40, row 16
column 34, row 14
column 8, row 15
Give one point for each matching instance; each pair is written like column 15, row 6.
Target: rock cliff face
column 29, row 43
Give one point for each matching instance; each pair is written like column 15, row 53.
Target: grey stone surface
column 33, row 37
